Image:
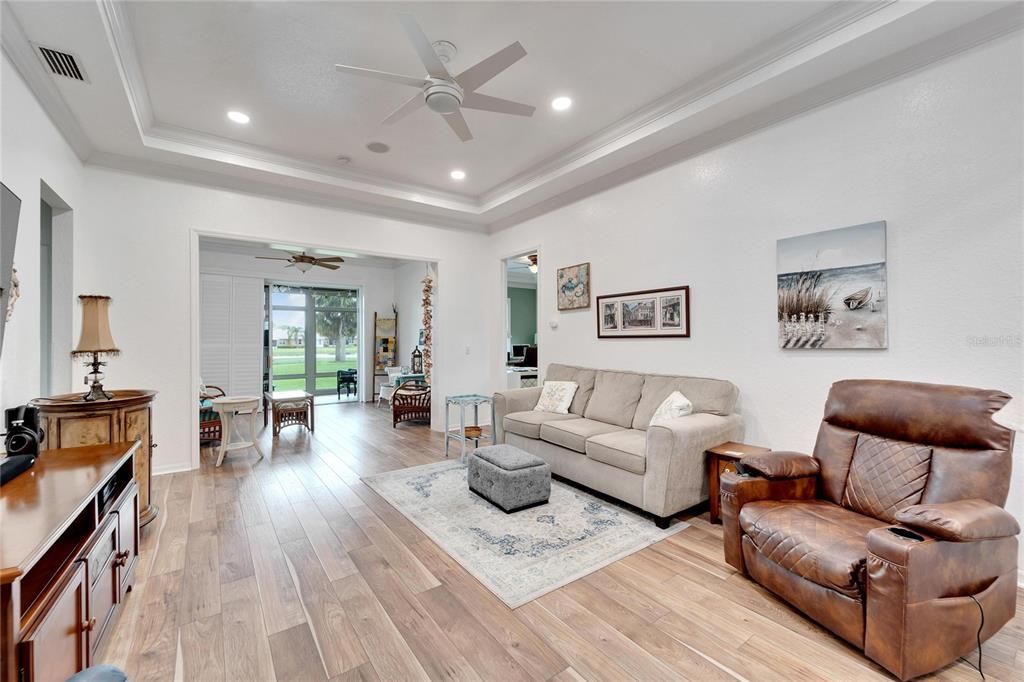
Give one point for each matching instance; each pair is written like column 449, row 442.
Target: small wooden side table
column 290, row 407
column 721, row 458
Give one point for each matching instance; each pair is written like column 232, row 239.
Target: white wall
column 409, row 297
column 146, row 226
column 937, row 154
column 31, row 150
column 377, row 284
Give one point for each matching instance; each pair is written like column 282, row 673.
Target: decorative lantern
column 417, row 361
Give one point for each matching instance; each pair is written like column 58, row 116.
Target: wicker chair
column 411, row 402
column 209, row 420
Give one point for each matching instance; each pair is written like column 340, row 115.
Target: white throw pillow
column 676, row 405
column 556, row 396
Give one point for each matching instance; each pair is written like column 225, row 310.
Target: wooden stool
column 229, row 408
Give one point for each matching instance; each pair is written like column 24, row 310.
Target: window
column 314, row 334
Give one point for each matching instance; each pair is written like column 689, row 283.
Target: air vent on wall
column 61, row 63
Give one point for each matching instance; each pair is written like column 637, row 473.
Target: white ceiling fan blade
column 458, row 124
column 474, row 100
column 414, row 103
column 435, row 67
column 383, row 75
column 475, row 76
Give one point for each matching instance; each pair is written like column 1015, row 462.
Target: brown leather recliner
column 924, row 459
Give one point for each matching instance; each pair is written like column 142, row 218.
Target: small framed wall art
column 574, row 287
column 655, row 313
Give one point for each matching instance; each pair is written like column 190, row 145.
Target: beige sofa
column 607, row 442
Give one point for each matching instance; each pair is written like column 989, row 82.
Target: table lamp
column 95, row 340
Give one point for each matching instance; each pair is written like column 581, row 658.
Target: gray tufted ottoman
column 509, row 478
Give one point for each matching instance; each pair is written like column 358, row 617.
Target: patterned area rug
column 524, row 555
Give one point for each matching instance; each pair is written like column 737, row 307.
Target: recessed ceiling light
column 343, row 159
column 561, row 103
column 378, row 148
column 458, row 174
column 238, row 116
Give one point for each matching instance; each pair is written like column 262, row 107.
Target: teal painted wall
column 524, row 314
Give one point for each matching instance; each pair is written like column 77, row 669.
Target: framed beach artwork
column 655, row 313
column 832, row 289
column 574, row 287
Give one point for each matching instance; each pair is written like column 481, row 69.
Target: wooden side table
column 289, row 407
column 721, row 458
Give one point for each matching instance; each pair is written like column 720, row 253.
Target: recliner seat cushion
column 615, row 398
column 573, row 434
column 622, row 449
column 817, row 540
column 528, row 423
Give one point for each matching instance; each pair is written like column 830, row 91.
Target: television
column 10, row 209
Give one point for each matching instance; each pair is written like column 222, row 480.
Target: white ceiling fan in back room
column 439, row 90
column 304, row 262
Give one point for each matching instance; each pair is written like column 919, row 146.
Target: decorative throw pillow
column 676, row 405
column 556, row 396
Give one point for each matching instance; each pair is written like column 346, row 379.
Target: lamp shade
column 1011, row 415
column 95, row 337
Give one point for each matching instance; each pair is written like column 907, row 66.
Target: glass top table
column 466, row 432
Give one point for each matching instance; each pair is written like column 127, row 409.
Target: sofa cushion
column 615, row 397
column 528, row 423
column 817, row 540
column 584, row 379
column 623, row 449
column 714, row 396
column 573, row 434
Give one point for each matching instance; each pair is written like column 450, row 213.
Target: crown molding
column 254, row 185
column 720, row 106
column 26, row 60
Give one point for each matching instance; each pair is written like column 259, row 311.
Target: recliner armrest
column 780, row 465
column 960, row 521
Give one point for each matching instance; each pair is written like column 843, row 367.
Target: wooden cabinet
column 127, row 512
column 68, row 552
column 70, row 422
column 56, row 647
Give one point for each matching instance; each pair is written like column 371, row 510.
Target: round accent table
column 230, row 407
column 70, row 422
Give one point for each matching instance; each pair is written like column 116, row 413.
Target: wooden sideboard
column 70, row 422
column 68, row 552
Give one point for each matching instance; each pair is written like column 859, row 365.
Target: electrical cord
column 980, row 628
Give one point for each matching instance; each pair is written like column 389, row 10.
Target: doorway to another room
column 521, row 320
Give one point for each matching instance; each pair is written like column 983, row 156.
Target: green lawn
column 292, row 361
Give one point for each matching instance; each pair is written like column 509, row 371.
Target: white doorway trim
column 500, row 360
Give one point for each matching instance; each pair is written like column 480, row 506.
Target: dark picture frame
column 647, row 314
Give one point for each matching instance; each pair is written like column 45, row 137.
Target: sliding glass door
column 315, row 336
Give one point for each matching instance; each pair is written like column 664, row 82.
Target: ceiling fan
column 446, row 94
column 530, row 261
column 304, row 262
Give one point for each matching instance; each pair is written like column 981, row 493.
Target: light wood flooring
column 295, row 570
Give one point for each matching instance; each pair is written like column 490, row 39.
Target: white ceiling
column 651, row 83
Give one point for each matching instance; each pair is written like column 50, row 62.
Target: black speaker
column 23, row 433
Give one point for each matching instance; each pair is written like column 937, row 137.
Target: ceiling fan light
column 303, row 266
column 443, row 102
column 533, row 268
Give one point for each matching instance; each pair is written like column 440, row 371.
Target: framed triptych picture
column 656, row 313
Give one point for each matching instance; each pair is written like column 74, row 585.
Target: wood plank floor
column 294, row 570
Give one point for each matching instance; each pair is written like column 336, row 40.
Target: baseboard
column 171, row 469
